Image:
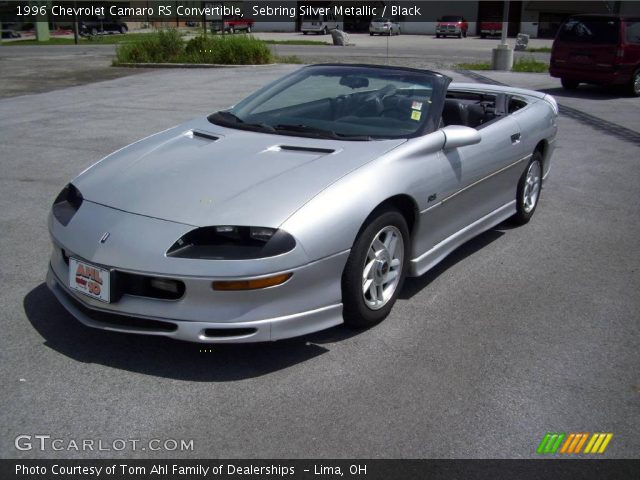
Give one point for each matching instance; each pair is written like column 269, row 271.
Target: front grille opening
column 124, row 321
column 152, row 287
column 229, row 332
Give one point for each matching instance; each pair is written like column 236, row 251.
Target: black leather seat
column 454, row 112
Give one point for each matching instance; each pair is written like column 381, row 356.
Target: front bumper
column 448, row 31
column 309, row 301
column 269, row 329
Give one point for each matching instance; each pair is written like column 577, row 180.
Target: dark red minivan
column 600, row 49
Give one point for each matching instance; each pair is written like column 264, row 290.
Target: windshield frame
column 429, row 124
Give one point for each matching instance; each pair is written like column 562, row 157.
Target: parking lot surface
column 519, row 332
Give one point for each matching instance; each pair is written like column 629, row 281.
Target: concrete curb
column 189, row 65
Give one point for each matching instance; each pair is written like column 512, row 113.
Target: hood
column 203, row 174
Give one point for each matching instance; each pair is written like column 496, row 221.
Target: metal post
column 75, row 23
column 502, row 56
column 505, row 23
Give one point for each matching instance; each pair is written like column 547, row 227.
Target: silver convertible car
column 301, row 207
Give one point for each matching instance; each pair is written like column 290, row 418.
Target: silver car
column 302, row 207
column 384, row 26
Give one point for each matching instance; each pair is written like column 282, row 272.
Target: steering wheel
column 377, row 97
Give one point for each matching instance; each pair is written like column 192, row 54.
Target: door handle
column 515, row 138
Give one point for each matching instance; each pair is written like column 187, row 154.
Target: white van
column 319, row 24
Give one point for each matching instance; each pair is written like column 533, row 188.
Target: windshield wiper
column 318, row 131
column 229, row 119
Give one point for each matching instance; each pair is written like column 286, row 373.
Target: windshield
column 602, row 30
column 343, row 102
column 381, row 20
column 448, row 18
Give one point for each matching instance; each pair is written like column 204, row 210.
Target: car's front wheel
column 375, row 269
column 529, row 189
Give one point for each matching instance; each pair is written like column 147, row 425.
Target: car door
column 478, row 181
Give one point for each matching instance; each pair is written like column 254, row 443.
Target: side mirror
column 460, row 136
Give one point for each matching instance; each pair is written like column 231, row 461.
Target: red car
column 237, row 24
column 452, row 25
column 599, row 49
column 491, row 28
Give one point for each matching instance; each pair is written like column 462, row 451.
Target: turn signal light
column 251, row 284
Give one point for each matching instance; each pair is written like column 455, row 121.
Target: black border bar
column 579, row 468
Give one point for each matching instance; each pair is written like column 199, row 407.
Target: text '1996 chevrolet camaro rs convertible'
column 303, row 206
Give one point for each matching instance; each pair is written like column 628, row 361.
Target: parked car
column 10, row 34
column 598, row 49
column 319, row 24
column 238, row 24
column 452, row 25
column 95, row 25
column 384, row 26
column 490, row 28
column 303, row 206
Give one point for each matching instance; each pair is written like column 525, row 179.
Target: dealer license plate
column 95, row 282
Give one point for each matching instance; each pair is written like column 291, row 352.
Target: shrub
column 158, row 47
column 228, row 49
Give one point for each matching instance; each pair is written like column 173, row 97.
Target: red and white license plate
column 90, row 280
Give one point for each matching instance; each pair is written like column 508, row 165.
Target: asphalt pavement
column 519, row 332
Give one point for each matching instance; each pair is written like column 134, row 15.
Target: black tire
column 94, row 32
column 325, row 31
column 248, row 28
column 523, row 213
column 370, row 34
column 304, row 33
column 460, row 35
column 356, row 312
column 483, row 36
column 634, row 86
column 437, row 36
column 123, row 29
column 464, row 34
column 569, row 84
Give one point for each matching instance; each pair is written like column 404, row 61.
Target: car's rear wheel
column 437, row 36
column 123, row 29
column 529, row 190
column 248, row 28
column 635, row 84
column 569, row 84
column 375, row 269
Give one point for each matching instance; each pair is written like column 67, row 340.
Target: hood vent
column 204, row 135
column 293, row 148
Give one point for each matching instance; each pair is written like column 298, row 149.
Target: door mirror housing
column 460, row 136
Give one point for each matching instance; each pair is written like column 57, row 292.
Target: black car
column 94, row 26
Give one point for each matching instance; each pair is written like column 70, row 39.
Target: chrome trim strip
column 471, row 185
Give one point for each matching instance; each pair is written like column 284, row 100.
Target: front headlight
column 228, row 242
column 67, row 204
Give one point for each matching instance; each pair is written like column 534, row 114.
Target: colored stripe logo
column 572, row 443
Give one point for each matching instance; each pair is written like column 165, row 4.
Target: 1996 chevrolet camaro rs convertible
column 301, row 207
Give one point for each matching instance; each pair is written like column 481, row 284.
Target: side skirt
column 431, row 258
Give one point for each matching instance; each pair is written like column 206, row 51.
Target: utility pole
column 502, row 56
